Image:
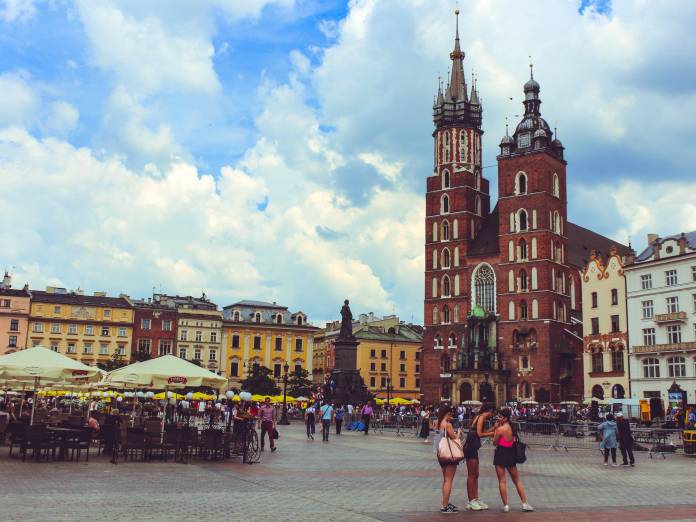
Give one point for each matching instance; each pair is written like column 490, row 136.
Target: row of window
column 165, row 346
column 522, row 185
column 185, row 322
column 616, row 358
column 277, row 318
column 5, row 303
column 615, row 324
column 88, row 329
column 198, row 354
column 57, row 310
column 383, row 367
column 146, row 324
column 446, row 180
column 299, row 346
column 614, row 298
column 402, row 354
column 674, row 335
column 676, row 367
column 277, row 368
column 384, row 380
column 87, row 348
column 445, row 207
column 520, row 222
column 520, row 251
column 671, row 278
column 198, row 337
column 449, row 147
column 671, row 305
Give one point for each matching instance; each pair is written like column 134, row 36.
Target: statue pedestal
column 349, row 387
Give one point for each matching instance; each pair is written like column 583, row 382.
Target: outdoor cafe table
column 64, row 435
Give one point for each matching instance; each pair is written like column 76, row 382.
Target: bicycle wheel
column 253, row 450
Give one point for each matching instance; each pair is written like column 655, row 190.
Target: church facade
column 502, row 283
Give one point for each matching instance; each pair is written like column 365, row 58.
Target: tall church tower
column 457, row 202
column 534, row 275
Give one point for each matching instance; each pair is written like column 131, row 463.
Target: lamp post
column 388, row 389
column 284, row 416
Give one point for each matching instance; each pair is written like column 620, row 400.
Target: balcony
column 658, row 348
column 673, row 317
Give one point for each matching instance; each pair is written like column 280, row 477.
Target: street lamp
column 284, row 416
column 388, row 389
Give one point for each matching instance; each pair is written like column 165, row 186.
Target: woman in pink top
column 505, row 459
column 366, row 415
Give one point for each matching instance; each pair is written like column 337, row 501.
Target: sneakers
column 475, row 505
column 615, row 465
column 506, row 509
column 273, row 449
column 625, row 464
column 482, row 504
column 449, row 509
column 632, row 464
column 606, row 463
column 527, row 507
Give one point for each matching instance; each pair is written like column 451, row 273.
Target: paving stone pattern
column 353, row 478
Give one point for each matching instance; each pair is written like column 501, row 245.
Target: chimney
column 655, row 243
column 652, row 238
column 682, row 244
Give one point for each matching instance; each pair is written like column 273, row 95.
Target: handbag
column 449, row 451
column 520, row 451
column 276, row 435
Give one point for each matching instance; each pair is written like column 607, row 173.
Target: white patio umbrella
column 39, row 365
column 165, row 372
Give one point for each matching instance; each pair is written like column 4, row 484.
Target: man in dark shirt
column 625, row 439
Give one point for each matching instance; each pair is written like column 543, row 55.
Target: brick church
column 502, row 285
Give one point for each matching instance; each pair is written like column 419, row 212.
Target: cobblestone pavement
column 353, row 477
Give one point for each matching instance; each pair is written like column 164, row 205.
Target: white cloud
column 62, row 118
column 17, row 10
column 146, row 54
column 19, row 101
column 390, row 171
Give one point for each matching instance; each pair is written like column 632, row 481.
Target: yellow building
column 90, row 328
column 267, row 334
column 388, row 355
column 605, row 353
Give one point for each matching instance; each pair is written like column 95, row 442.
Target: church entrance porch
column 479, row 386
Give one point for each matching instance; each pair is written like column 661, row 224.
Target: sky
column 277, row 149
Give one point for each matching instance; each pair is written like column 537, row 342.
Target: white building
column 661, row 305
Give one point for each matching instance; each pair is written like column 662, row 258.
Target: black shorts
column 468, row 454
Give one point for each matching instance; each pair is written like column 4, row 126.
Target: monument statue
column 346, row 322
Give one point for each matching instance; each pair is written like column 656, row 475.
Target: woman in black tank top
column 476, row 431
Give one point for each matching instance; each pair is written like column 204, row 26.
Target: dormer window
column 523, row 140
column 257, row 317
column 236, row 316
column 279, row 319
column 300, row 320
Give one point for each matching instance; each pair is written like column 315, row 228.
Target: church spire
column 456, row 90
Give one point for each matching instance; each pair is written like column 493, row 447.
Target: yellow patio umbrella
column 160, row 396
column 200, row 396
column 380, row 402
column 399, row 401
column 260, row 398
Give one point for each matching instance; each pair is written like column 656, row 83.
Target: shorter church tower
column 534, row 332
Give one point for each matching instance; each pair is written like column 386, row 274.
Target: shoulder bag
column 520, row 451
column 449, row 451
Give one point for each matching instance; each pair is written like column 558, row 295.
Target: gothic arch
column 522, row 220
column 444, row 204
column 520, row 183
column 445, row 179
column 445, row 235
column 446, row 261
column 483, row 287
column 445, row 287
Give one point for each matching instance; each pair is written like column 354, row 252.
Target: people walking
column 310, row 421
column 339, row 413
column 471, row 446
column 446, row 459
column 625, row 440
column 609, row 435
column 366, row 416
column 327, row 413
column 505, row 459
column 267, row 415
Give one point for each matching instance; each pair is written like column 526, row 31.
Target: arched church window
column 445, row 231
column 445, row 179
column 462, row 146
column 522, row 220
column 523, row 280
column 446, row 258
column 484, row 287
column 523, row 310
column 521, row 183
column 444, row 204
column 445, row 314
column 522, row 249
column 445, row 287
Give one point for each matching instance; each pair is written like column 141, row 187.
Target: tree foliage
column 299, row 384
column 260, row 381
